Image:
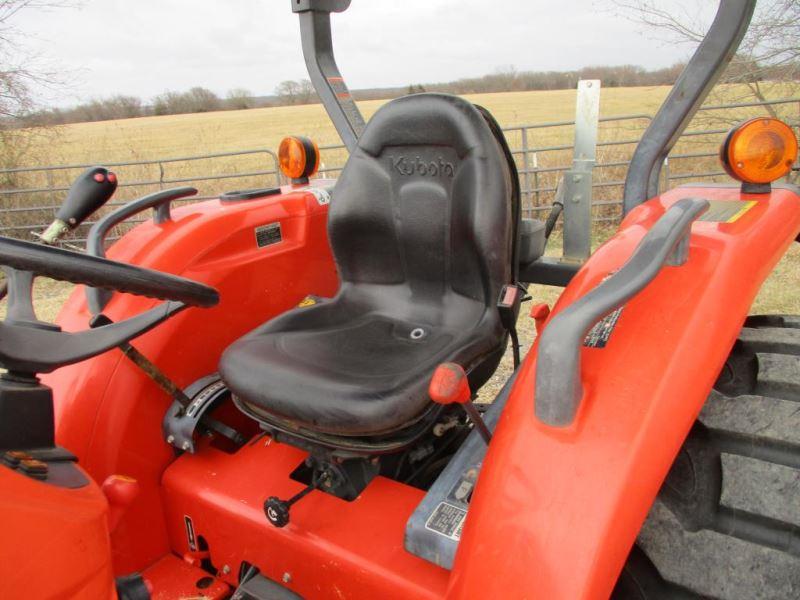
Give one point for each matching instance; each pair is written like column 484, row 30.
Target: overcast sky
column 145, row 47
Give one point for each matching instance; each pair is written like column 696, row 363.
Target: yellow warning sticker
column 726, row 211
column 307, row 301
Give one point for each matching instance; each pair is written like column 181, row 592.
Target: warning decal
column 447, row 520
column 599, row 334
column 267, row 235
column 726, row 211
column 307, row 301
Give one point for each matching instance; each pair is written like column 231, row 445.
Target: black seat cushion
column 420, row 226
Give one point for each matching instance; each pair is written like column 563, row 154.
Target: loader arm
column 557, row 509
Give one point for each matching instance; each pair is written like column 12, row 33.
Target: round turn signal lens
column 298, row 157
column 760, row 150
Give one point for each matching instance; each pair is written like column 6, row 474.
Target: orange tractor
column 270, row 394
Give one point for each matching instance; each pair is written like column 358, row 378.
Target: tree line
column 195, row 100
column 508, row 79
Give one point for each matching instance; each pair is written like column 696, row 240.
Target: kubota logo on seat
column 421, row 166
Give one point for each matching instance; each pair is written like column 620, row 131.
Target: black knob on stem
column 91, row 190
column 277, row 510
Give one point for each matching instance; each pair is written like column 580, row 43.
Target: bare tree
column 769, row 52
column 306, row 92
column 195, row 100
column 20, row 69
column 239, row 99
column 287, row 91
column 295, row 92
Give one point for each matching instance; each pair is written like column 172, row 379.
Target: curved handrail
column 558, row 361
column 95, row 241
column 701, row 73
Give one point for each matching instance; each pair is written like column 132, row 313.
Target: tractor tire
column 726, row 523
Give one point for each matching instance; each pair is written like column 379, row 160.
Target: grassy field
column 182, row 135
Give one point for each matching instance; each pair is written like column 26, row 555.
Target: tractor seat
column 420, row 226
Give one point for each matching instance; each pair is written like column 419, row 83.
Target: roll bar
column 315, row 34
column 701, row 73
column 693, row 85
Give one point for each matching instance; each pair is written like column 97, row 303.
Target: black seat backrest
column 425, row 201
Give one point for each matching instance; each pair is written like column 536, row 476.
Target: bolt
column 287, row 578
column 170, row 439
column 225, row 569
column 186, row 445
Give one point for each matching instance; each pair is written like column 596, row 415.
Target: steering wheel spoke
column 20, row 299
column 34, row 350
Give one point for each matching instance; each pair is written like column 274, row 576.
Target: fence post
column 578, row 180
column 525, row 166
column 536, row 183
column 49, row 177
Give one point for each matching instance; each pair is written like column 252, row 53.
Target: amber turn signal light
column 298, row 157
column 760, row 150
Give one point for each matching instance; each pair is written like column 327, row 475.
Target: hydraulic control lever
column 91, row 190
column 449, row 385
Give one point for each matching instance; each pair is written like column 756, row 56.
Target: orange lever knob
column 120, row 491
column 449, row 385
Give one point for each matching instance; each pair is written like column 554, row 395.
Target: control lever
column 449, row 385
column 91, row 190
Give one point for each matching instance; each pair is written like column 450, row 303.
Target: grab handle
column 558, row 385
column 95, row 241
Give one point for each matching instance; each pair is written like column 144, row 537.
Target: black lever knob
column 91, row 190
column 277, row 511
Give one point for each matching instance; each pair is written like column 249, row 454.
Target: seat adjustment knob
column 277, row 510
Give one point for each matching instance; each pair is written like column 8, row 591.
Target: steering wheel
column 74, row 267
column 30, row 346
